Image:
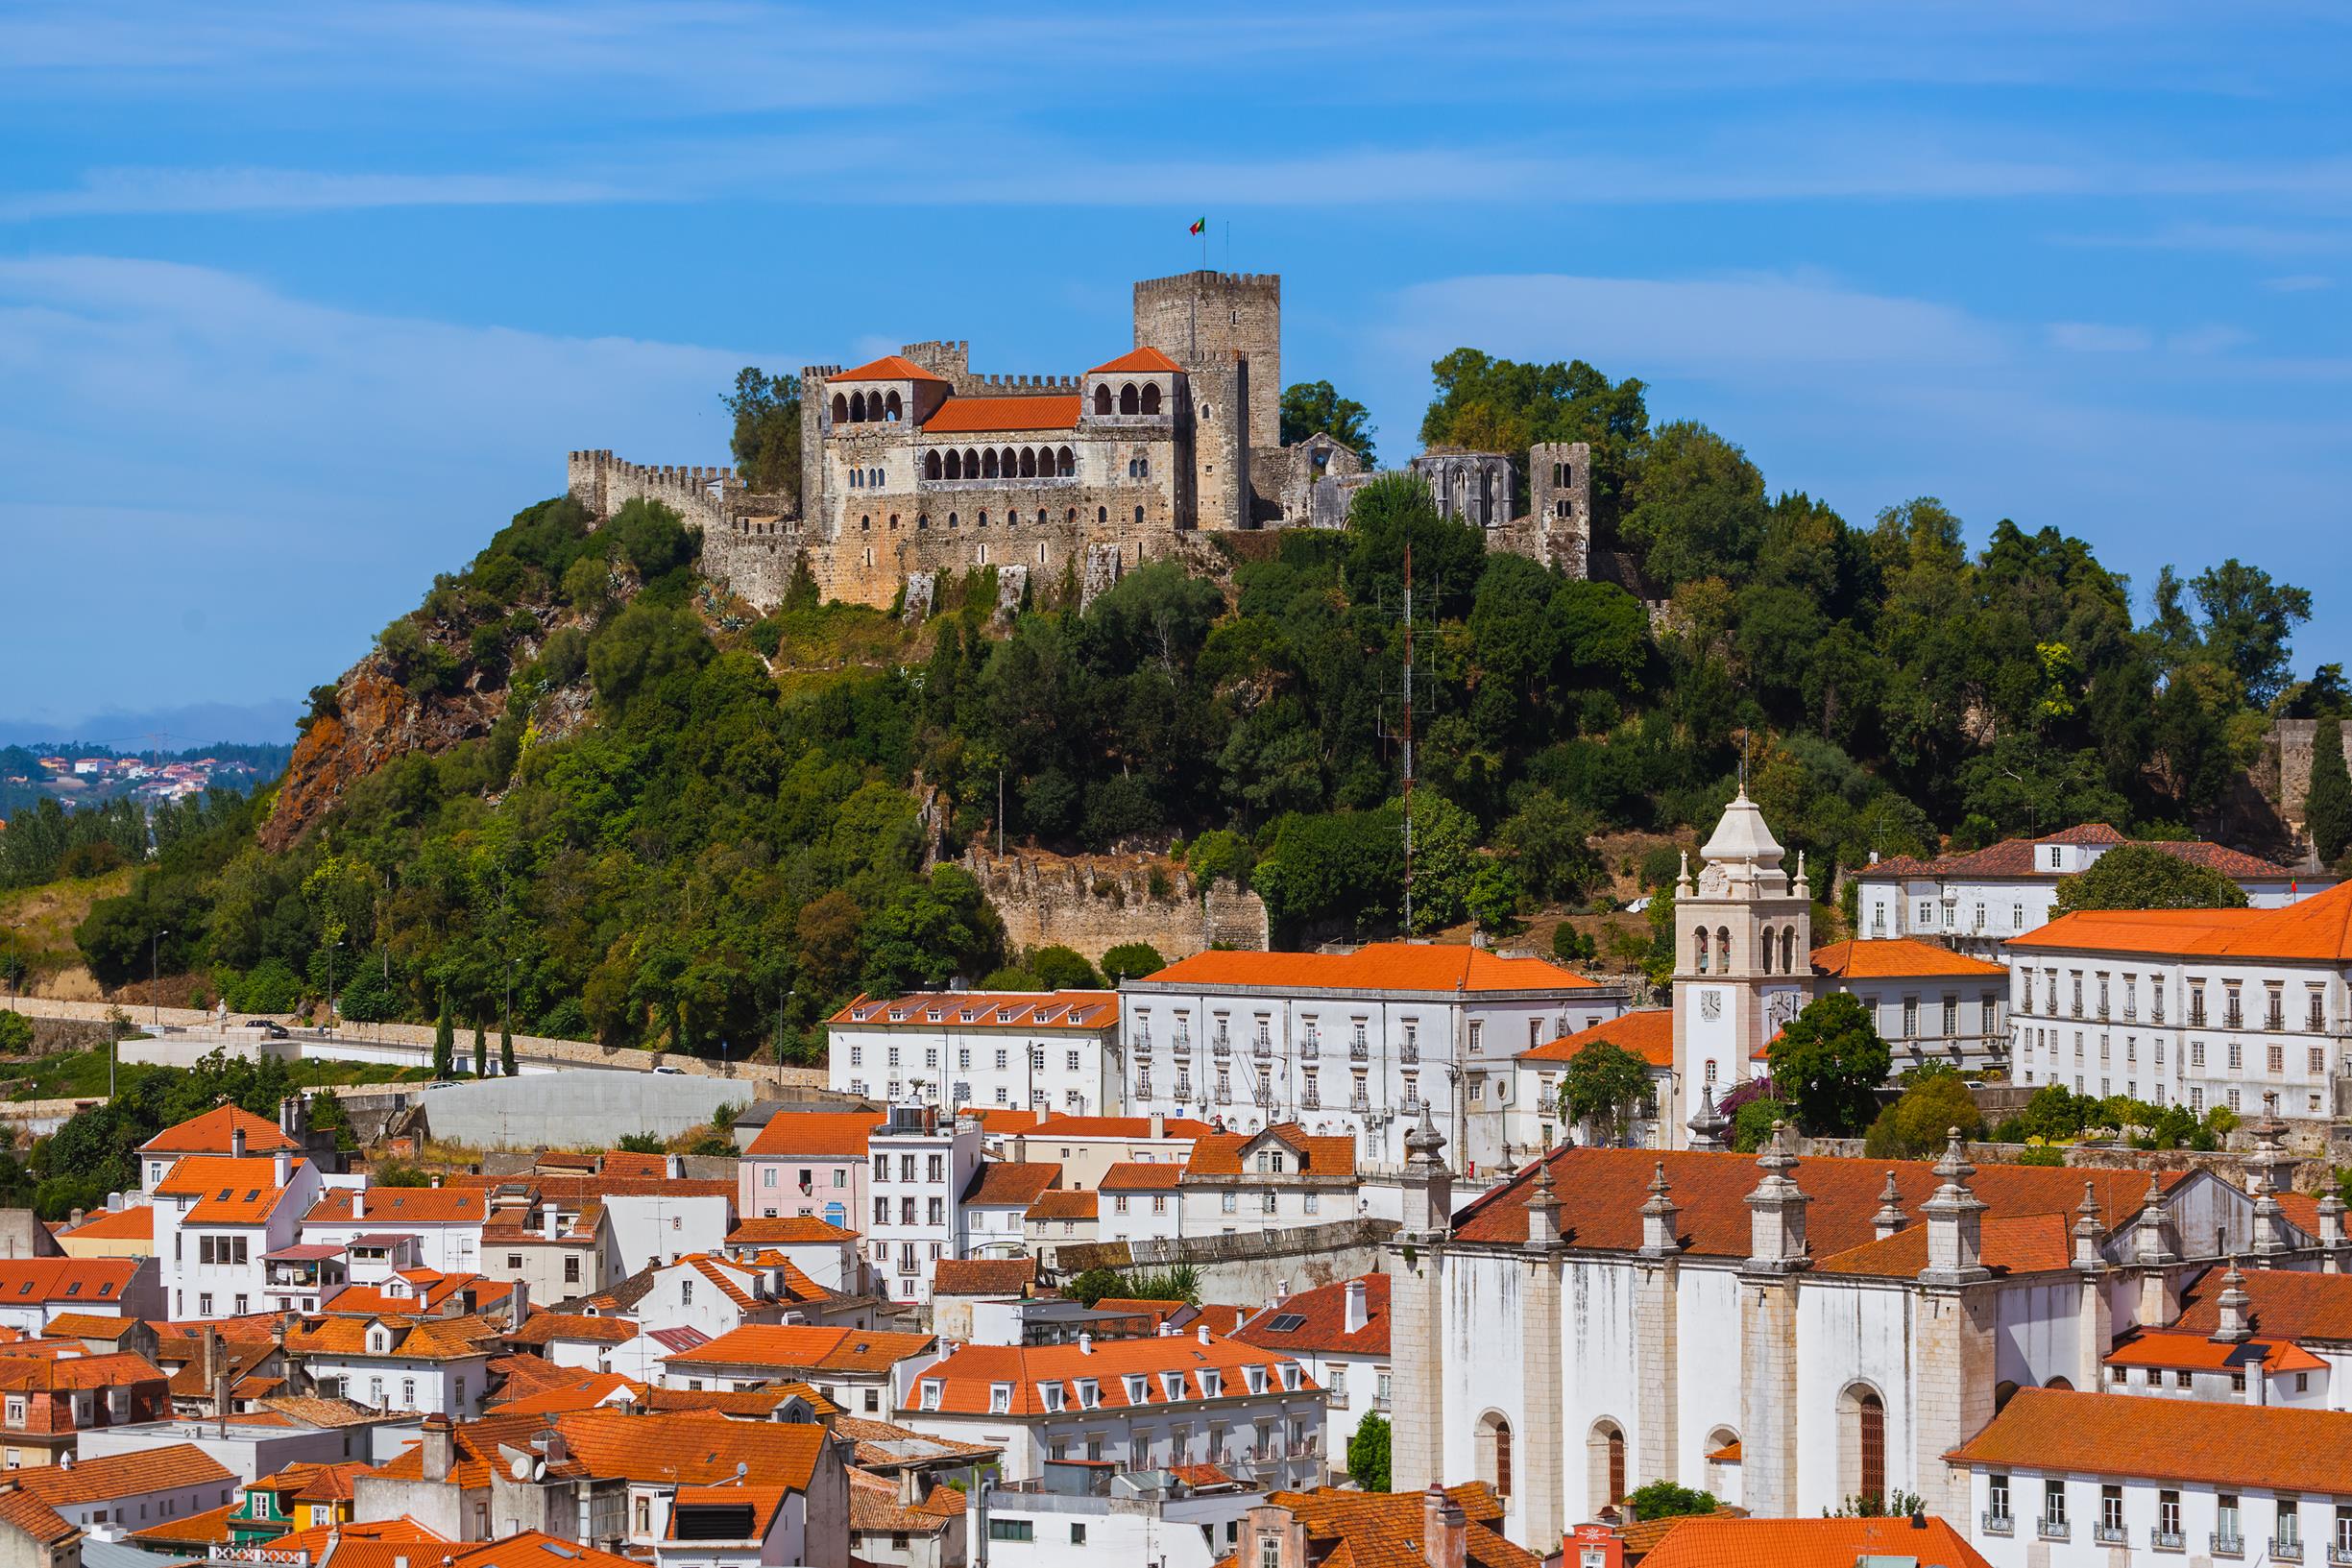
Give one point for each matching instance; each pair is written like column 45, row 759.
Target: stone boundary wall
column 1093, row 902
column 536, row 1050
column 1248, row 1268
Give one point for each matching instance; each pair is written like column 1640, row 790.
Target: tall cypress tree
column 506, row 1051
column 2327, row 811
column 445, row 1041
column 481, row 1051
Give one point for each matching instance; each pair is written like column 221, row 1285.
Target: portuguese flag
column 1199, row 224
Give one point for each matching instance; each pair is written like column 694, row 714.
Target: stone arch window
column 1041, row 554
column 1011, row 462
column 1788, row 950
column 971, row 464
column 894, row 523
column 954, row 465
column 922, row 522
column 1723, row 1474
column 1102, row 399
column 1151, row 398
column 1494, row 1452
column 987, row 464
column 983, row 517
column 951, row 520
column 892, row 409
column 981, row 558
column 1768, row 945
column 1139, row 517
column 1028, row 461
column 1071, row 519
column 1699, row 937
column 866, row 525
column 1208, row 411
column 2002, row 1392
column 1102, row 515
column 1066, row 462
column 1861, row 1443
column 1723, row 946
column 840, row 409
column 1604, row 1464
column 857, row 408
column 932, row 468
column 1129, row 400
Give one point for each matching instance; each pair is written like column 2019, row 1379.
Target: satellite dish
column 742, row 1468
column 521, row 1469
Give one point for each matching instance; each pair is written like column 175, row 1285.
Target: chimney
column 910, row 1487
column 1445, row 1530
column 517, row 1305
column 1204, row 1334
column 677, row 1167
column 288, row 1109
column 1159, row 1124
column 282, row 1170
column 436, row 1181
column 550, row 1220
column 360, row 1203
column 440, row 1448
column 114, row 1203
column 236, row 1140
column 1358, row 1312
column 1085, row 1342
column 73, row 1220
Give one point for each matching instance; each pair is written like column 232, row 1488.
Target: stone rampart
column 1249, row 1266
column 1093, row 902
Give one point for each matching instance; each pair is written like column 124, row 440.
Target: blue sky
column 297, row 305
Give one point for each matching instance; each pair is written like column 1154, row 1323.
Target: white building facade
column 2243, row 1008
column 923, row 1164
column 1020, row 1051
column 1349, row 1045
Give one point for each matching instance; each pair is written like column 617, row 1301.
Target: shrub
column 1917, row 1125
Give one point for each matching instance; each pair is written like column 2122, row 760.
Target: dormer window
column 933, row 1015
column 1289, row 1377
column 932, row 1389
column 999, row 1399
column 1138, row 1389
column 380, row 1339
column 898, row 1015
column 1049, row 1394
column 1089, row 1394
column 1172, row 1384
column 1254, row 1378
column 1212, row 1384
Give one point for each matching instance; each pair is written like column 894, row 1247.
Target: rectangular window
column 2053, row 1503
column 1997, row 1496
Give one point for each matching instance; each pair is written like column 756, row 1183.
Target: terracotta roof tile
column 1118, row 1126
column 1713, row 1541
column 546, row 1327
column 537, row 1548
column 2195, row 1352
column 228, row 1192
column 2203, row 1441
column 397, row 1206
column 175, row 1467
column 1141, row 361
column 967, row 1375
column 1059, row 1204
column 135, row 1223
column 889, row 368
column 810, row 1346
column 1141, row 1176
column 692, row 1447
column 210, row 1134
column 2283, row 1304
column 816, row 1134
column 981, row 416
column 1021, row 1010
column 90, row 1326
column 1380, row 1528
column 1897, row 958
column 1228, row 1153
column 2016, row 857
column 884, row 1444
column 93, row 1282
column 787, row 1230
column 584, row 1392
column 209, row 1527
column 874, row 1507
column 1375, row 967
column 1012, row 1181
column 1323, row 1326
column 115, row 1370
column 1601, row 1192
column 984, row 1276
column 1647, row 1032
column 22, row 1511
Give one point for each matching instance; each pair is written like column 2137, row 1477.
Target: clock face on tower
column 1711, row 1005
column 1780, row 1010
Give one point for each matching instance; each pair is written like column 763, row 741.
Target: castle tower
column 1742, row 959
column 1202, row 318
column 1560, row 500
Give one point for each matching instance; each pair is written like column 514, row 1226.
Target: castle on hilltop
column 913, row 467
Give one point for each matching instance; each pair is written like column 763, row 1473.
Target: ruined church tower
column 1743, row 960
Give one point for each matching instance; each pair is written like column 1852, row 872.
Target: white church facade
column 1786, row 1332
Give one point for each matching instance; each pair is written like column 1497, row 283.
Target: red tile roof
column 1716, row 1541
column 1141, row 361
column 694, row 1447
column 1062, row 1205
column 2317, row 929
column 536, row 1549
column 546, row 1327
column 1373, row 968
column 2282, row 1304
column 28, row 1513
column 1648, row 1033
column 1897, row 958
column 1227, row 1153
column 975, row 415
column 988, row 1009
column 1601, row 1192
column 799, row 1345
column 90, row 1282
column 175, row 1467
column 228, row 1192
column 1137, row 1176
column 874, row 1507
column 404, row 1206
column 1384, row 1530
column 2016, row 857
column 787, row 1230
column 1117, row 1126
column 967, row 1375
column 823, row 1135
column 889, row 368
column 1324, row 1328
column 210, row 1134
column 2196, row 1353
column 984, row 1276
column 1012, row 1181
column 2202, row 1442
column 135, row 1223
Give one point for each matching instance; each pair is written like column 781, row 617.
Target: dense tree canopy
column 2144, row 877
column 1315, row 408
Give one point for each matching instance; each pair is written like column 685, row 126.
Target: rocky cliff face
column 378, row 720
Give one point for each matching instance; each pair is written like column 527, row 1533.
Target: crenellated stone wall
column 1093, row 902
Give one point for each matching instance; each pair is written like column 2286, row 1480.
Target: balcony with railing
column 1410, row 1053
column 1224, row 1094
column 1309, row 1099
column 1263, row 1050
column 2287, row 1551
column 2233, row 1016
column 2110, row 1534
column 1261, row 1095
column 2228, row 1546
column 2275, row 1018
column 1361, row 1104
column 2051, row 1529
column 1359, row 1051
column 2167, row 1540
column 1998, row 1524
column 1185, row 1088
column 1412, row 1102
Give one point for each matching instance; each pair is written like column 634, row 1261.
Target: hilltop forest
column 652, row 815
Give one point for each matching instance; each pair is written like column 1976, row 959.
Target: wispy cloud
column 2298, row 284
column 165, row 191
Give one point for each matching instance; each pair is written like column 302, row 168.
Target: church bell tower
column 1743, row 939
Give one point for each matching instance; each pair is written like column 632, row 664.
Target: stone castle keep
column 912, row 466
